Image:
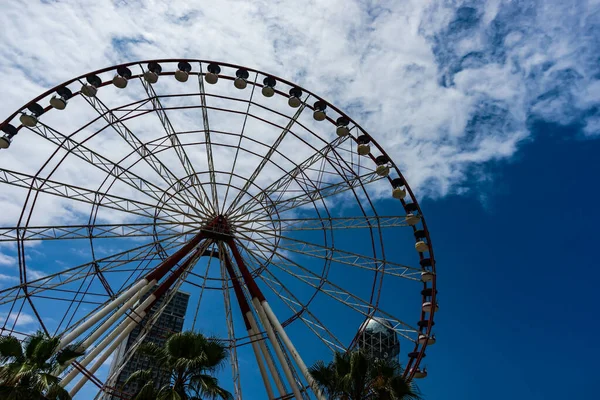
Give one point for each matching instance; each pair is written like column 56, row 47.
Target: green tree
column 190, row 359
column 29, row 370
column 356, row 376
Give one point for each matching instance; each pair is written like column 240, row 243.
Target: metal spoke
column 93, row 158
column 77, row 193
column 280, row 185
column 336, row 255
column 295, row 305
column 105, row 264
column 267, row 156
column 316, row 194
column 203, row 288
column 178, row 147
column 138, row 146
column 209, row 155
column 237, row 150
column 336, row 292
column 115, row 170
column 317, row 224
column 93, row 231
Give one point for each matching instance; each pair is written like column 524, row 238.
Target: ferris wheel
column 289, row 228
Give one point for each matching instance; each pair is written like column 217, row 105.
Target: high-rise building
column 170, row 321
column 378, row 339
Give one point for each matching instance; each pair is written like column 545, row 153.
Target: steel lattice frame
column 271, row 217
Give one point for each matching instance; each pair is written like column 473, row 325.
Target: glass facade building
column 170, row 321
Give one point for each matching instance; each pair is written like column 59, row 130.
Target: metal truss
column 279, row 188
column 339, row 294
column 336, row 255
column 95, row 231
column 209, row 154
column 143, row 151
column 179, row 149
column 318, row 224
column 77, row 193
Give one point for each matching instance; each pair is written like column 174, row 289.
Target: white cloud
column 592, row 127
column 23, row 319
column 8, row 278
column 6, row 260
column 414, row 73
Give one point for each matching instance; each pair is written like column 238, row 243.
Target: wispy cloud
column 23, row 319
column 6, row 260
column 8, row 278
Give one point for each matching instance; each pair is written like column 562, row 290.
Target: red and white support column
column 269, row 321
column 252, row 333
column 139, row 289
column 126, row 326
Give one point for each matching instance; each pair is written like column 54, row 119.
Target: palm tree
column 189, row 359
column 328, row 378
column 356, row 376
column 387, row 382
column 29, row 370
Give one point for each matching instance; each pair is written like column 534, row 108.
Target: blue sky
column 521, row 297
column 491, row 110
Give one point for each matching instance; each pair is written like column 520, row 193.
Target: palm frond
column 186, row 345
column 155, row 352
column 194, row 365
column 68, row 354
column 14, row 393
column 341, row 362
column 358, row 377
column 207, row 386
column 10, row 349
column 31, row 343
column 146, row 392
column 326, row 378
column 168, row 393
column 57, row 392
column 216, row 353
column 142, row 375
column 403, row 390
column 44, row 350
column 45, row 380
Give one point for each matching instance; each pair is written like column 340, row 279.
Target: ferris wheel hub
column 218, row 229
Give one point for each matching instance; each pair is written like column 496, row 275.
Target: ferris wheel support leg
column 268, row 359
column 129, row 323
column 113, row 318
column 278, row 351
column 123, row 336
column 126, row 325
column 142, row 286
column 270, row 321
column 67, row 339
column 290, row 346
column 251, row 328
column 257, row 296
column 261, row 367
